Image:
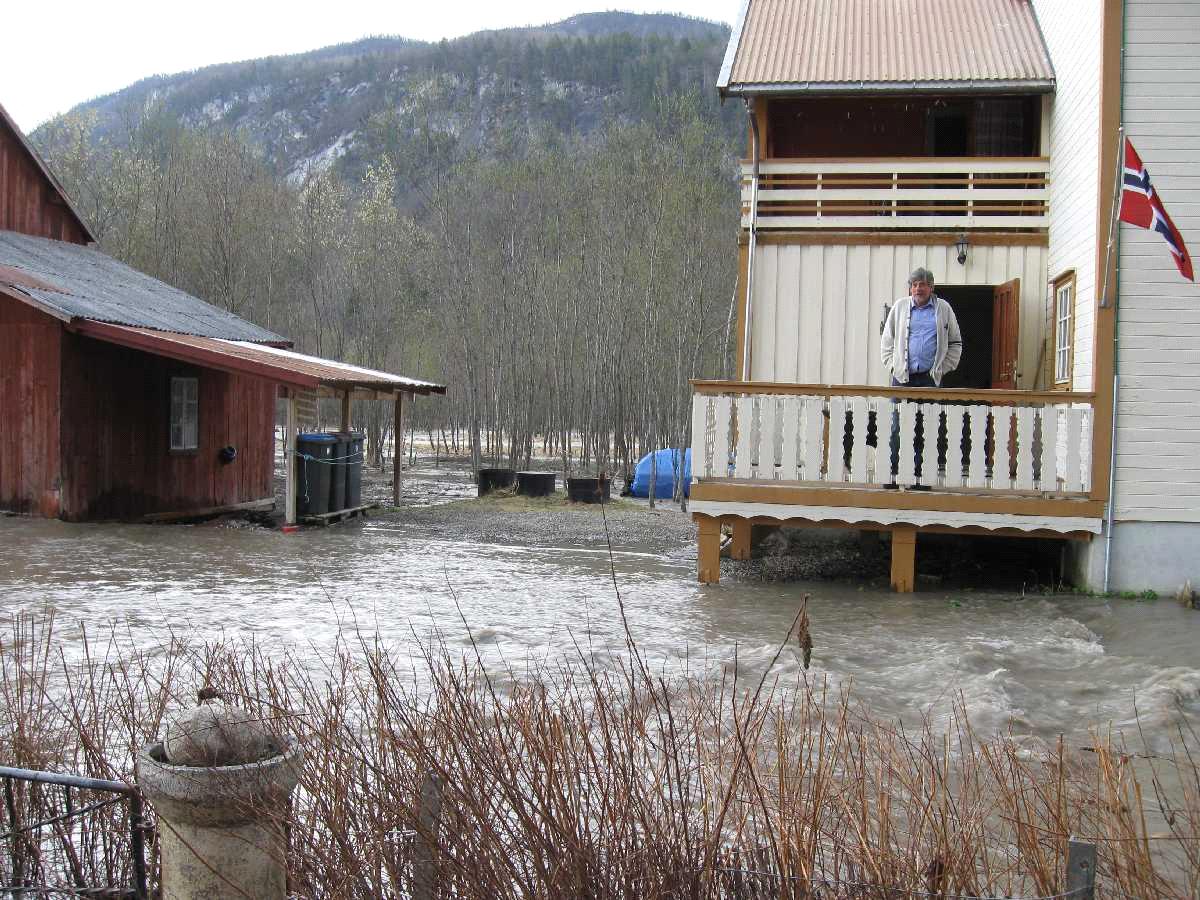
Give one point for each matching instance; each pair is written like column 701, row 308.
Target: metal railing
column 900, row 193
column 51, row 850
column 858, row 436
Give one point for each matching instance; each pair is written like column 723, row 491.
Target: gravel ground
column 785, row 555
column 439, row 496
column 554, row 522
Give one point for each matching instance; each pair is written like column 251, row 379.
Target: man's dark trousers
column 915, row 379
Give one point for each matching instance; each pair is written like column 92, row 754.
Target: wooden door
column 1006, row 303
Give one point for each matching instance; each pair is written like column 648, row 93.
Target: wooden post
column 346, row 410
column 904, row 558
column 289, row 449
column 429, row 818
column 740, row 548
column 1081, row 869
column 397, row 448
column 708, row 549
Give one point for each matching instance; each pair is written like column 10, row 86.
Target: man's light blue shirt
column 922, row 337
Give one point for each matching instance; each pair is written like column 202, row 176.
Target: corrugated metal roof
column 283, row 366
column 832, row 45
column 83, row 282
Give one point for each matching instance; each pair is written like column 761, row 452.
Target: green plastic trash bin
column 313, row 472
column 354, row 465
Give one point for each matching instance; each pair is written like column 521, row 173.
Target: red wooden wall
column 30, row 362
column 29, row 203
column 115, row 440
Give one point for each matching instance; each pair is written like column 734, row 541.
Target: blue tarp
column 664, row 488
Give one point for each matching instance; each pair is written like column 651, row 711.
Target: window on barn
column 185, row 413
column 1064, row 328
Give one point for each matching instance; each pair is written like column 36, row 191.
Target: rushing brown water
column 1042, row 665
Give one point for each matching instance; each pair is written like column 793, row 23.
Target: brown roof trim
column 973, row 86
column 279, row 365
column 50, row 176
column 15, row 292
column 163, row 344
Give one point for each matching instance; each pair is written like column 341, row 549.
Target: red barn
column 119, row 394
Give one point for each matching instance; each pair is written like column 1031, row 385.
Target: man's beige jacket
column 893, row 345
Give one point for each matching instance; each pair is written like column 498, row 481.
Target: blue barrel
column 313, row 472
column 354, row 466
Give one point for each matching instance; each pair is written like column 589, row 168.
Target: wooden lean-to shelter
column 122, row 397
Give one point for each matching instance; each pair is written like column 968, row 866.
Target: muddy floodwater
column 1038, row 664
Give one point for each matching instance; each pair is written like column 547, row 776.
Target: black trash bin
column 314, row 472
column 354, row 464
column 337, row 481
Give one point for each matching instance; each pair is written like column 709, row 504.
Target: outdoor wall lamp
column 961, row 246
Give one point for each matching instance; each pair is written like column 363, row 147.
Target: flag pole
column 1104, row 302
column 1112, row 216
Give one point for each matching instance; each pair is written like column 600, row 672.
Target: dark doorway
column 973, row 308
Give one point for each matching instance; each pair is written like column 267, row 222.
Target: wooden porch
column 895, row 459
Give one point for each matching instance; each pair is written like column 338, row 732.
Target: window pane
column 185, row 409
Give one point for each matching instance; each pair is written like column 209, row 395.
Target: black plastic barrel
column 535, row 484
column 589, row 490
column 354, row 464
column 313, row 472
column 337, row 480
column 494, row 479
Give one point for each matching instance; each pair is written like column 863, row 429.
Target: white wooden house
column 977, row 138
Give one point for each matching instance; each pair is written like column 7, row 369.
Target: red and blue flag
column 1141, row 206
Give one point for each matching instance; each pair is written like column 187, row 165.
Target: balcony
column 944, row 194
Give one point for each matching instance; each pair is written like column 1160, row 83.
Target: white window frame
column 185, row 413
column 1064, row 329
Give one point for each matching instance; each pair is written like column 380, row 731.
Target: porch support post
column 346, row 410
column 708, row 549
column 397, row 447
column 740, row 548
column 904, row 559
column 289, row 450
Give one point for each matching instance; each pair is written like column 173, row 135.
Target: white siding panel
column 787, row 316
column 763, row 315
column 835, row 297
column 813, row 277
column 1072, row 32
column 817, row 309
column 1158, row 328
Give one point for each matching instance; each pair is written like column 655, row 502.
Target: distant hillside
column 489, row 93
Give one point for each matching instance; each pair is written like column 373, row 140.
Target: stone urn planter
column 220, row 827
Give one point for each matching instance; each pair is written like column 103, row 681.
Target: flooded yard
column 540, row 585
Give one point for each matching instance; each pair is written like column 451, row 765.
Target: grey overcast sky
column 59, row 54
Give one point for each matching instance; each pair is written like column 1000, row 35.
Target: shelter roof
column 830, row 46
column 275, row 363
column 71, row 281
column 6, row 121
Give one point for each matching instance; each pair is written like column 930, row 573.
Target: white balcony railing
column 909, row 193
column 973, row 441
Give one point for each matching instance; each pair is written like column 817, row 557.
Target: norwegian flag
column 1141, row 206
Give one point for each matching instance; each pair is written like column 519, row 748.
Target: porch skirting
column 854, row 515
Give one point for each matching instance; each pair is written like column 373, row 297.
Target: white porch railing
column 946, row 440
column 904, row 193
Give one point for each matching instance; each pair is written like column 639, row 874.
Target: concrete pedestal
column 220, row 828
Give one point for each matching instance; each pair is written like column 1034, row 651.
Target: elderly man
column 920, row 344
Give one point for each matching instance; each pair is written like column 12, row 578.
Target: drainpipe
column 1114, row 244
column 1113, row 233
column 755, row 148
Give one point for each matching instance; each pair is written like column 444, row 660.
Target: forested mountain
column 544, row 219
column 493, row 91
